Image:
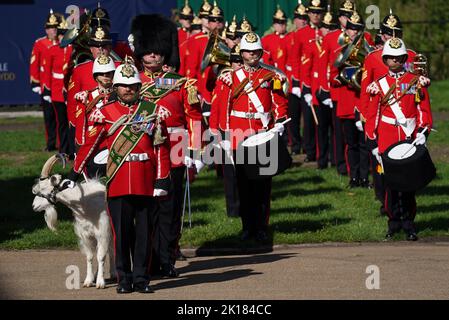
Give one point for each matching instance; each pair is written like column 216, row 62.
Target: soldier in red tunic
column 399, row 111
column 56, row 78
column 185, row 19
column 39, row 58
column 293, row 63
column 184, row 47
column 88, row 102
column 138, row 170
column 257, row 102
column 178, row 98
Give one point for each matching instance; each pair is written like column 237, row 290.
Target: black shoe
column 246, row 235
column 364, row 183
column 143, row 288
column 389, row 236
column 295, row 153
column 261, row 236
column 124, row 288
column 169, row 270
column 309, row 159
column 180, row 256
column 412, row 237
column 354, row 183
column 50, row 149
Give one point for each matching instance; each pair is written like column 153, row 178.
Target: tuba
column 351, row 59
column 217, row 52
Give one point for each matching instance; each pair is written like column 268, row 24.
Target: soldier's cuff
column 163, row 184
column 306, row 90
column 371, row 144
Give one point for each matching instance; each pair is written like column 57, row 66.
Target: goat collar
column 52, row 196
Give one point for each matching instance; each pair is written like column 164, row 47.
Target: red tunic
column 377, row 126
column 56, row 70
column 374, row 68
column 182, row 117
column 273, row 102
column 132, row 178
column 39, row 59
column 82, row 122
column 219, row 110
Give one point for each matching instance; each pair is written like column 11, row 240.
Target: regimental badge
column 216, row 11
column 128, row 71
column 100, row 14
column 52, row 19
column 395, row 43
column 186, row 11
column 103, row 60
column 316, row 3
column 207, row 6
column 251, row 37
column 348, row 5
column 279, row 14
column 392, row 22
column 301, row 10
column 99, row 34
column 328, row 18
column 246, row 27
column 355, row 18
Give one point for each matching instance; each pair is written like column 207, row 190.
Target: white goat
column 92, row 225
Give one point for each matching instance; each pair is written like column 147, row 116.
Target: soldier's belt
column 58, row 75
column 137, row 157
column 409, row 122
column 250, row 115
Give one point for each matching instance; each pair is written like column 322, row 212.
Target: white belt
column 137, row 157
column 249, row 115
column 176, row 130
column 58, row 75
column 410, row 122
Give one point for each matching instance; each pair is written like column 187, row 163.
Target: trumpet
column 217, row 52
column 351, row 59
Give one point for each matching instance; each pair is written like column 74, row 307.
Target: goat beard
column 51, row 217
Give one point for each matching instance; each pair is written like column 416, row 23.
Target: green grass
column 439, row 95
column 309, row 206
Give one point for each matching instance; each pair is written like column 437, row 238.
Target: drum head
column 402, row 151
column 258, row 139
column 102, row 157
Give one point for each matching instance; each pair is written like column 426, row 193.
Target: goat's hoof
column 88, row 284
column 101, row 284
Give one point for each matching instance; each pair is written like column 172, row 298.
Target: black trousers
column 339, row 147
column 50, row 124
column 168, row 225
column 63, row 126
column 255, row 200
column 378, row 181
column 309, row 131
column 357, row 151
column 401, row 210
column 325, row 132
column 231, row 190
column 132, row 222
column 294, row 127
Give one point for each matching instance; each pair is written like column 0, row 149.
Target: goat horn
column 63, row 158
column 46, row 169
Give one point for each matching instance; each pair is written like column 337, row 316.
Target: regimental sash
column 130, row 136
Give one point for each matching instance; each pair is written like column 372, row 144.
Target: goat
column 88, row 205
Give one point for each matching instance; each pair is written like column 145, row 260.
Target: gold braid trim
column 192, row 91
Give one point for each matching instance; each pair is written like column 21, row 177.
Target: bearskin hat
column 154, row 33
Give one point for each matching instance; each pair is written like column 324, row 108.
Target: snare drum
column 263, row 155
column 407, row 171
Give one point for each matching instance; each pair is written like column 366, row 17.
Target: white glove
column 188, row 162
column 199, row 165
column 47, row 98
column 296, row 91
column 67, row 184
column 81, row 96
column 375, row 153
column 373, row 89
column 159, row 193
column 279, row 128
column 329, row 103
column 420, row 139
column 37, row 90
column 359, row 125
column 308, row 98
column 424, row 81
column 131, row 42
